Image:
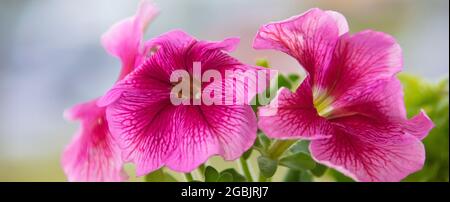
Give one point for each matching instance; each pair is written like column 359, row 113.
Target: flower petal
column 367, row 150
column 92, row 155
column 294, row 116
column 143, row 123
column 123, row 39
column 382, row 100
column 136, row 107
column 205, row 131
column 340, row 21
column 154, row 132
column 420, row 125
column 358, row 62
column 309, row 37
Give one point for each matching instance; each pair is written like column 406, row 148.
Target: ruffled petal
column 420, row 125
column 92, row 155
column 171, row 39
column 340, row 20
column 367, row 150
column 154, row 132
column 309, row 37
column 293, row 116
column 123, row 39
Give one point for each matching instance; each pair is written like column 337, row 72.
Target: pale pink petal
column 309, row 37
column 367, row 150
column 123, row 39
column 341, row 22
column 205, row 131
column 295, row 116
column 92, row 155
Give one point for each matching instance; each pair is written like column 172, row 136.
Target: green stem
column 262, row 178
column 245, row 169
column 279, row 147
column 188, row 177
column 202, row 169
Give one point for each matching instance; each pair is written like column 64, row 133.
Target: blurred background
column 51, row 59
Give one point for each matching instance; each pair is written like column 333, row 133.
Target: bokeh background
column 51, row 59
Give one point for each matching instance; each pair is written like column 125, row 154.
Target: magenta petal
column 205, row 131
column 137, row 109
column 382, row 100
column 153, row 132
column 123, row 39
column 174, row 39
column 228, row 45
column 310, row 37
column 147, row 135
column 359, row 61
column 295, row 116
column 420, row 125
column 139, row 119
column 370, row 151
column 92, row 155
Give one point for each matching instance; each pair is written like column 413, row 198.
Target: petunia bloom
column 350, row 105
column 155, row 132
column 93, row 155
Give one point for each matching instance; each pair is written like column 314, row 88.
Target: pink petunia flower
column 351, row 104
column 155, row 132
column 93, row 155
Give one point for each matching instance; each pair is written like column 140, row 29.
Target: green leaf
column 319, row 170
column 300, row 146
column 225, row 177
column 293, row 77
column 267, row 166
column 292, row 176
column 339, row 176
column 211, row 174
column 262, row 62
column 236, row 176
column 247, row 154
column 265, row 141
column 305, row 176
column 283, row 82
column 159, row 176
column 298, row 161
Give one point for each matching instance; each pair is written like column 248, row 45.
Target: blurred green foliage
column 433, row 98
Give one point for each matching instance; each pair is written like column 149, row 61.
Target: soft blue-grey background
column 51, row 58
